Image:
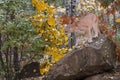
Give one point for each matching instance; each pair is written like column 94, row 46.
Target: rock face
column 113, row 75
column 105, row 76
column 96, row 58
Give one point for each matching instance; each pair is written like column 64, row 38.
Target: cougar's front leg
column 89, row 34
column 77, row 40
column 96, row 30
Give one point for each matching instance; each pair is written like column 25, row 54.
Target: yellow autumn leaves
column 51, row 21
column 53, row 35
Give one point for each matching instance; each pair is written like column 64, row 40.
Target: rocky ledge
column 96, row 58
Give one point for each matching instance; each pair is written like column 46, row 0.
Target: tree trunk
column 71, row 11
column 16, row 62
column 1, row 58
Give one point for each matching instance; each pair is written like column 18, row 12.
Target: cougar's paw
column 90, row 40
column 96, row 36
column 77, row 47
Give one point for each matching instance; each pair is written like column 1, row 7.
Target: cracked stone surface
column 94, row 58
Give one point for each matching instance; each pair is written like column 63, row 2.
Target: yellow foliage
column 51, row 21
column 44, row 69
column 33, row 2
column 53, row 36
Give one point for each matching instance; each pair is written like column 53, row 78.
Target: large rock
column 80, row 63
column 112, row 75
column 105, row 76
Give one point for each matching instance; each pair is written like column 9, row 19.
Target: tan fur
column 85, row 25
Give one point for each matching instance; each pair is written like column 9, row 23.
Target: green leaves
column 56, row 2
column 105, row 3
column 18, row 31
column 37, row 44
column 17, row 36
